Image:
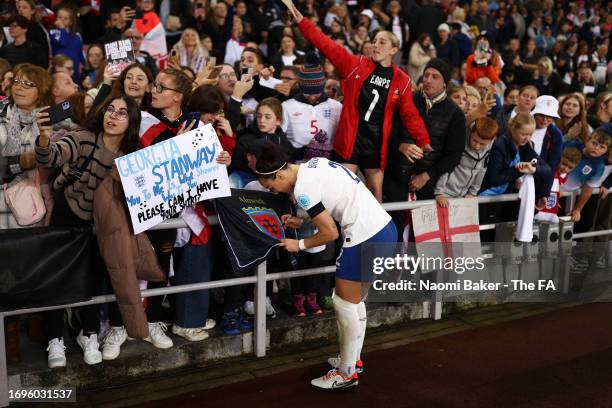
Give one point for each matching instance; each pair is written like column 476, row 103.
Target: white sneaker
column 249, row 307
column 210, row 324
column 111, row 347
column 600, row 263
column 91, row 348
column 334, row 380
column 270, row 312
column 57, row 353
column 191, row 334
column 157, row 337
column 335, row 363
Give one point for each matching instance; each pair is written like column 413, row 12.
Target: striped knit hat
column 311, row 77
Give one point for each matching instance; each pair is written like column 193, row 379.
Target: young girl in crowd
column 525, row 102
column 85, row 158
column 135, row 81
column 93, row 74
column 66, row 40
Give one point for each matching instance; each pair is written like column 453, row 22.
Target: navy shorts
column 348, row 264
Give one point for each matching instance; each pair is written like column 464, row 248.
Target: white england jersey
column 324, row 184
column 312, row 126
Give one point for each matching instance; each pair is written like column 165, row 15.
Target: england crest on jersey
column 267, row 221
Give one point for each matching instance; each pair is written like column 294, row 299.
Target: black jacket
column 499, row 171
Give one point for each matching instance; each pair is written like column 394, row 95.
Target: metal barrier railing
column 259, row 279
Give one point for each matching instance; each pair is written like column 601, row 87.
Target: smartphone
column 246, row 74
column 59, row 112
column 174, row 57
column 139, row 14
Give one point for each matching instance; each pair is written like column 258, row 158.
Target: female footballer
column 331, row 193
column 373, row 88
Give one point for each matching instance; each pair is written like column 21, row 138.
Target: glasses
column 24, row 84
column 159, row 88
column 225, row 77
column 119, row 114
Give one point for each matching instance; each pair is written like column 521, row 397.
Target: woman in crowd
column 366, row 119
column 287, row 55
column 28, row 91
column 85, row 158
column 601, row 111
column 573, row 118
column 524, row 104
column 66, row 40
column 511, row 95
column 135, row 81
column 420, row 53
column 190, row 52
column 92, row 76
column 36, row 32
column 547, row 80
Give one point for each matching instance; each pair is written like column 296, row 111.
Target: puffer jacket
column 128, row 257
column 467, row 177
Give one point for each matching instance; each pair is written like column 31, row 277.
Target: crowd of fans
column 502, row 88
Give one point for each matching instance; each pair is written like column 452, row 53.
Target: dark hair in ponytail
column 271, row 160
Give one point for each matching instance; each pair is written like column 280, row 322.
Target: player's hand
column 411, row 151
column 291, row 245
column 417, row 181
column 289, row 221
column 442, row 201
column 224, row 158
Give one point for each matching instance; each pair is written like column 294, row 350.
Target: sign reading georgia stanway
column 162, row 179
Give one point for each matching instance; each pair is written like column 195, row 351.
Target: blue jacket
column 499, row 171
column 552, row 147
column 71, row 45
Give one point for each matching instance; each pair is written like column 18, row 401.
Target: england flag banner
column 167, row 177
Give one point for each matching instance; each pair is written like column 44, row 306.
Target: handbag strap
column 88, row 159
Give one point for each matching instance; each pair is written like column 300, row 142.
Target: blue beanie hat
column 311, row 77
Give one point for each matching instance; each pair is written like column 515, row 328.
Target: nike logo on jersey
column 379, row 81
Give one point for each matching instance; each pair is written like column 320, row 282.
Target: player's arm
column 326, row 226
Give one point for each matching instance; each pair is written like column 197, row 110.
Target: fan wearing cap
column 373, row 89
column 446, row 47
column 446, row 125
column 483, row 62
column 310, row 118
column 22, row 50
column 547, row 138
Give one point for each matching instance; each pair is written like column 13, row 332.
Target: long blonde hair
column 200, row 54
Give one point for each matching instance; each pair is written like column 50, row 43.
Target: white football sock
column 348, row 318
column 363, row 320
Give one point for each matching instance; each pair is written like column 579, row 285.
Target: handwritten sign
column 167, row 177
column 119, row 54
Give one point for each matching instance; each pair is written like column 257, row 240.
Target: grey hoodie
column 467, row 177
